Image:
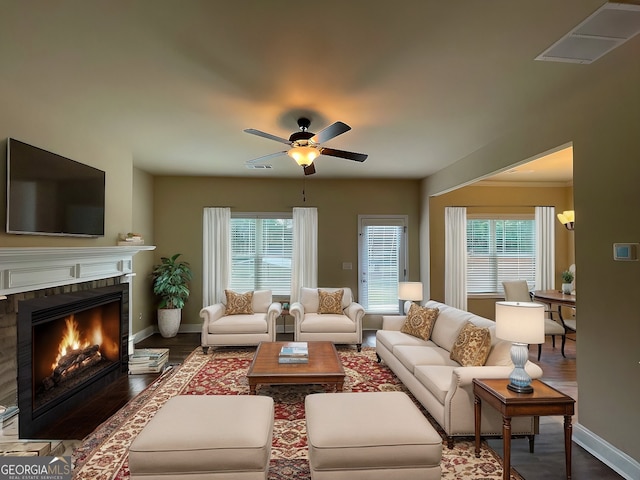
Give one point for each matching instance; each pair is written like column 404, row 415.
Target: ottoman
column 205, row 436
column 372, row 435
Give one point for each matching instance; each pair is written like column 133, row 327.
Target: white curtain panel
column 304, row 266
column 216, row 255
column 455, row 256
column 545, row 220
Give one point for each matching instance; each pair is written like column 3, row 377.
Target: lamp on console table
column 521, row 323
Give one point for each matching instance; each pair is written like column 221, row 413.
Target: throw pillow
column 330, row 302
column 420, row 321
column 472, row 346
column 239, row 303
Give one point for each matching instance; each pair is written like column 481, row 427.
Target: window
column 382, row 259
column 499, row 249
column 261, row 247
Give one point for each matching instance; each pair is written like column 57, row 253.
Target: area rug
column 103, row 455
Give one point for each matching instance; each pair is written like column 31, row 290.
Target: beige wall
column 495, row 200
column 143, row 309
column 602, row 122
column 116, row 162
column 179, row 203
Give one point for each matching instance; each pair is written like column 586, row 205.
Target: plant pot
column 567, row 288
column 169, row 321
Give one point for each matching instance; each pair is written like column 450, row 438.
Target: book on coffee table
column 293, row 359
column 294, row 352
column 295, row 349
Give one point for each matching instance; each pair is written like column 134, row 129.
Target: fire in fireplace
column 69, row 346
column 70, row 349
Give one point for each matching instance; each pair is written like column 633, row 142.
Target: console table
column 545, row 400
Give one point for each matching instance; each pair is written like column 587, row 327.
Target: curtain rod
column 289, row 206
column 497, row 206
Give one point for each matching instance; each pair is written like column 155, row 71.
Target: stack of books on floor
column 148, row 360
column 294, row 352
column 31, row 448
column 8, row 415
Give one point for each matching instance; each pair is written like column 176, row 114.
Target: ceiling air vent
column 258, row 167
column 608, row 27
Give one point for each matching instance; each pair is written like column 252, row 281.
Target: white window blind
column 382, row 263
column 499, row 249
column 261, row 249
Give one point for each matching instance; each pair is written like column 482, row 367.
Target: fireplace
column 70, row 346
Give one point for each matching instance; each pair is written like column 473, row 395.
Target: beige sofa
column 440, row 384
column 220, row 329
column 339, row 328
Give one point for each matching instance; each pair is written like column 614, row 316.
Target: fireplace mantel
column 34, row 268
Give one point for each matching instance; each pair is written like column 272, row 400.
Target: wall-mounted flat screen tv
column 48, row 194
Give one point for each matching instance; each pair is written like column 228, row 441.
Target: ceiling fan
column 305, row 145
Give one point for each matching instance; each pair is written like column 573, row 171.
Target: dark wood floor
column 546, row 463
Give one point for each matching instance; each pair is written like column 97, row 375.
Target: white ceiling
column 422, row 83
column 554, row 168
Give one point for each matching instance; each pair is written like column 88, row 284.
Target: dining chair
column 518, row 291
column 570, row 324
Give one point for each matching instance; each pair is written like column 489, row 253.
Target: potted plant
column 171, row 283
column 567, row 281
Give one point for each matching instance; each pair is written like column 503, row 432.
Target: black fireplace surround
column 52, row 380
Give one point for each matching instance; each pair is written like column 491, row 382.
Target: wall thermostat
column 625, row 251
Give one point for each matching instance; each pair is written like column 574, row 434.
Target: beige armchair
column 320, row 315
column 248, row 322
column 518, row 291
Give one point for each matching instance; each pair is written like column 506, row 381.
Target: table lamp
column 521, row 323
column 410, row 291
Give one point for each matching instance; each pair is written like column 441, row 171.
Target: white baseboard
column 617, row 460
column 142, row 334
column 153, row 329
column 190, row 328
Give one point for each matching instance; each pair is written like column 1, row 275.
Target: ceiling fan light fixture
column 305, row 146
column 303, row 156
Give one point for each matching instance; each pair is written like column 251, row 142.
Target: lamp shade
column 410, row 291
column 304, row 155
column 567, row 218
column 520, row 322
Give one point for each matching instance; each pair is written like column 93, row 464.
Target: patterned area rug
column 103, row 454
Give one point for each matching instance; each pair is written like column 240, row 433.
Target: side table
column 545, row 400
column 283, row 315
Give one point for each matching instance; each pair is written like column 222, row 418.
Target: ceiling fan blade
column 330, row 132
column 332, row 152
column 309, row 169
column 259, row 133
column 264, row 157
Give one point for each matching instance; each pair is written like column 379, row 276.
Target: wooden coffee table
column 324, row 366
